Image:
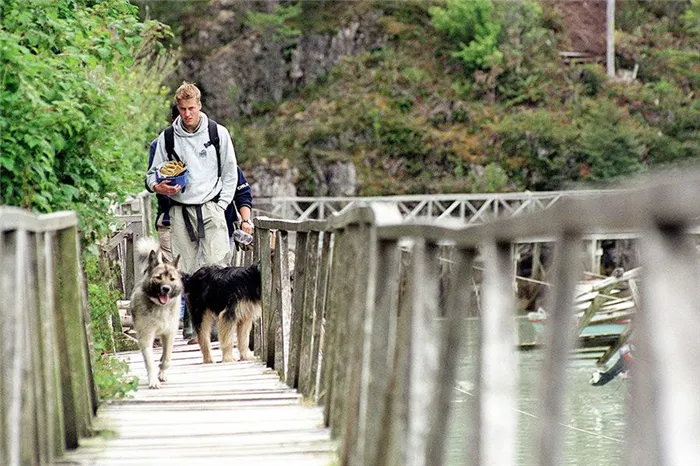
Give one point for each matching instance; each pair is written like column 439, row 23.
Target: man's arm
column 244, row 202
column 159, row 156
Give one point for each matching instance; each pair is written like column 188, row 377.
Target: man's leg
column 164, row 239
column 182, row 245
column 187, row 330
column 215, row 245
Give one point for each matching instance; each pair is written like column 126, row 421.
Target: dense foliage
column 473, row 95
column 81, row 99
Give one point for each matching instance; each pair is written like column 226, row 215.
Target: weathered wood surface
column 47, row 396
column 236, row 413
column 392, row 408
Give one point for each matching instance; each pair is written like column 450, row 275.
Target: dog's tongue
column 163, row 298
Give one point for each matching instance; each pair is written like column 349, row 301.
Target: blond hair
column 187, row 91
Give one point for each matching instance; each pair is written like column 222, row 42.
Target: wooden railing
column 471, row 208
column 47, row 393
column 371, row 324
column 137, row 220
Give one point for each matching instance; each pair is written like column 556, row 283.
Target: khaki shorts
column 212, row 249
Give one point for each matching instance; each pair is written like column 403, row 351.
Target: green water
column 593, row 426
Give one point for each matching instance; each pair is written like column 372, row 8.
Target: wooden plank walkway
column 235, row 413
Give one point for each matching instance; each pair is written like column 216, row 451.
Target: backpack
column 213, row 140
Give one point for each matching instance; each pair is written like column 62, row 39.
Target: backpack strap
column 214, row 140
column 170, row 144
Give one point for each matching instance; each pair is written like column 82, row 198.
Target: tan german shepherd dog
column 155, row 306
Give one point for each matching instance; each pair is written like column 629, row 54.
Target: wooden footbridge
column 359, row 346
column 227, row 413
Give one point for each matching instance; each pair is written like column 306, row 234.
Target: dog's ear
column 153, row 260
column 176, row 261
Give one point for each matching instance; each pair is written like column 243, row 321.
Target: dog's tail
column 144, row 247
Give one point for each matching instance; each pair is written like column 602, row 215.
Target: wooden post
column 264, row 252
column 560, row 339
column 14, row 369
column 415, row 371
column 297, row 309
column 283, row 311
column 384, row 267
column 318, row 366
column 451, row 342
column 39, row 350
column 595, row 252
column 309, row 317
column 664, row 423
column 355, row 350
column 610, row 38
column 147, row 218
column 341, row 295
column 333, row 331
column 74, row 368
column 271, row 319
column 395, row 416
column 130, row 272
column 496, row 418
column 51, row 367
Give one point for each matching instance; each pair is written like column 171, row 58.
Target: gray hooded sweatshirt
column 199, row 156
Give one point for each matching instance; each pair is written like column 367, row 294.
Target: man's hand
column 247, row 226
column 167, row 189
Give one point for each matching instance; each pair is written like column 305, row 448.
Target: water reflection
column 593, row 426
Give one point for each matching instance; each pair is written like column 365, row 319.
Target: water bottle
column 242, row 238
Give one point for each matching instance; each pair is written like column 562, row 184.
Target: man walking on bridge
column 199, row 233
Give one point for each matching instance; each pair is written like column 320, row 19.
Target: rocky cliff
column 240, row 67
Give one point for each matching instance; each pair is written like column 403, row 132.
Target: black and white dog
column 229, row 294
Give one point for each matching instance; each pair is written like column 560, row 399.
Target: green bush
column 671, row 12
column 278, row 23
column 630, row 15
column 611, row 144
column 493, row 179
column 683, row 65
column 81, row 99
column 111, row 379
column 671, row 118
column 506, row 50
column 470, row 27
column 592, row 77
column 691, row 20
column 543, row 150
column 536, row 148
column 102, row 299
column 397, row 140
